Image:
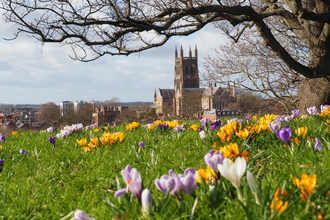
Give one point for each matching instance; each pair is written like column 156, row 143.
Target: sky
column 32, row 73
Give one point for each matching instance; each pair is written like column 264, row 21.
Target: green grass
column 49, row 183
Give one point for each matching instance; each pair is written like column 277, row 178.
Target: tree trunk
column 314, row 92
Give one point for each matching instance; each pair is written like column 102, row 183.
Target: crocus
column 306, row 185
column 1, row 165
column 213, row 158
column 2, row 138
column 134, row 182
column 168, row 183
column 275, row 125
column 202, row 135
column 312, row 110
column 179, row 128
column 233, row 172
column 318, row 146
column 215, row 124
column 81, row 215
column 295, row 113
column 253, row 186
column 142, row 144
column 279, row 203
column 284, row 134
column 22, row 152
column 188, row 181
column 146, row 201
column 324, row 107
column 52, row 140
column 205, row 121
column 163, row 126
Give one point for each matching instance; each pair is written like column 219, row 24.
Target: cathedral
column 187, row 99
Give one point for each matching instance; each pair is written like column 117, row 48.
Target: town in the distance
column 185, row 101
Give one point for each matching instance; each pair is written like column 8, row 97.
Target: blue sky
column 32, row 73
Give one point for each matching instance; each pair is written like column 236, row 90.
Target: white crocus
column 202, row 135
column 146, row 201
column 233, row 171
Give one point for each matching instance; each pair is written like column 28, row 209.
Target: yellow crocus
column 194, row 127
column 243, row 134
column 301, row 132
column 306, row 185
column 208, row 175
column 132, row 126
column 82, row 142
column 93, row 142
column 279, row 205
column 230, row 151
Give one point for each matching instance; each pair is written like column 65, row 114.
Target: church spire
column 181, row 52
column 176, row 52
column 190, row 51
column 196, row 52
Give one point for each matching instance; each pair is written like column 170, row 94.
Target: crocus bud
column 253, row 186
column 146, row 201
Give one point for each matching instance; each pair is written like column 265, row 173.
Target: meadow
column 256, row 167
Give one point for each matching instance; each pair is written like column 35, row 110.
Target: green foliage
column 49, row 183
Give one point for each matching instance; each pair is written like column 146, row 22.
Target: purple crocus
column 142, row 144
column 1, row 165
column 215, row 124
column 275, row 125
column 188, row 181
column 213, row 158
column 52, row 140
column 169, row 183
column 22, row 152
column 324, row 107
column 134, row 182
column 318, row 146
column 284, row 134
column 312, row 110
column 296, row 113
column 179, row 128
column 205, row 121
column 163, row 126
column 2, row 138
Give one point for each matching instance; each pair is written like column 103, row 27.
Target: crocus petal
column 120, row 192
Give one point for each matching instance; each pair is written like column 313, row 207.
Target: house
column 7, row 127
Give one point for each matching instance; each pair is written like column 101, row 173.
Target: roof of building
column 167, row 93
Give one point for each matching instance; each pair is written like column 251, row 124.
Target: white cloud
column 36, row 74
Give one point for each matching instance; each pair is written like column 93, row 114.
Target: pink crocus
column 134, row 182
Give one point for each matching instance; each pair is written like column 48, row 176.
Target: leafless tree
column 114, row 102
column 49, row 112
column 128, row 26
column 253, row 67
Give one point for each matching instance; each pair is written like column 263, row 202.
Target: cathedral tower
column 186, row 70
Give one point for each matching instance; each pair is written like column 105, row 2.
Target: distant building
column 78, row 106
column 65, row 107
column 107, row 115
column 187, row 95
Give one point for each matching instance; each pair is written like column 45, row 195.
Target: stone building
column 107, row 115
column 187, row 97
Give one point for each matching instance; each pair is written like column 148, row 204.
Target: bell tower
column 186, row 70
